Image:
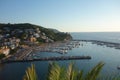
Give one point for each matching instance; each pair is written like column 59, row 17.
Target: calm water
column 103, row 36
column 110, row 56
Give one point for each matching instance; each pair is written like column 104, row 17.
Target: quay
column 51, row 59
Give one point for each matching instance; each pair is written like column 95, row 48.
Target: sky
column 64, row 15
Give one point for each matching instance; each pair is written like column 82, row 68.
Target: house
column 43, row 37
column 33, row 39
column 37, row 30
column 17, row 40
column 12, row 46
column 36, row 35
column 43, row 34
column 5, row 50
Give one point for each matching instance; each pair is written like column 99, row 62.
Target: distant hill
column 50, row 33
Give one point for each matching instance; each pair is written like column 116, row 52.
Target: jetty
column 50, row 59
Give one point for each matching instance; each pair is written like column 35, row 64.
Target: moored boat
column 118, row 67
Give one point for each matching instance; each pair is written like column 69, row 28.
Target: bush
column 2, row 55
column 12, row 51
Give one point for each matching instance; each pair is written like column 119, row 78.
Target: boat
column 118, row 67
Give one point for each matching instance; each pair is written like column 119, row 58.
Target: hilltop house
column 32, row 39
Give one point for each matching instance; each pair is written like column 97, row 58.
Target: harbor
column 62, row 48
column 27, row 54
column 96, row 52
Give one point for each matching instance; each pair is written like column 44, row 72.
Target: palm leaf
column 71, row 72
column 30, row 73
column 80, row 75
column 54, row 71
column 93, row 74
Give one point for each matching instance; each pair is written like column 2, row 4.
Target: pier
column 51, row 59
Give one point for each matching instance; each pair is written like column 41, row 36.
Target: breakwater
column 108, row 44
column 51, row 59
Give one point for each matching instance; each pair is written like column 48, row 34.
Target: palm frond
column 93, row 74
column 30, row 73
column 71, row 72
column 80, row 75
column 54, row 71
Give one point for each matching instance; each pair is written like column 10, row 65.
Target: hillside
column 26, row 30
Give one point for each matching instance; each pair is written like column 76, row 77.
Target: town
column 16, row 38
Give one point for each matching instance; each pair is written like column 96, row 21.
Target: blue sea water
column 110, row 56
column 101, row 36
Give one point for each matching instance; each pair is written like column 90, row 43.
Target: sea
column 110, row 56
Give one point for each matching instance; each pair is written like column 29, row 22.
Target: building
column 5, row 50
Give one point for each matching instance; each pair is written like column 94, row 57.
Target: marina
column 59, row 47
column 27, row 54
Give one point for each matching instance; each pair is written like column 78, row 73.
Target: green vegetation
column 2, row 55
column 51, row 33
column 40, row 40
column 30, row 74
column 71, row 73
column 56, row 72
column 12, row 51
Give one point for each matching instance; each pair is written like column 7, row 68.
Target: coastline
column 100, row 54
column 26, row 54
column 58, row 47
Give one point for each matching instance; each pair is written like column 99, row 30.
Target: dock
column 51, row 59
